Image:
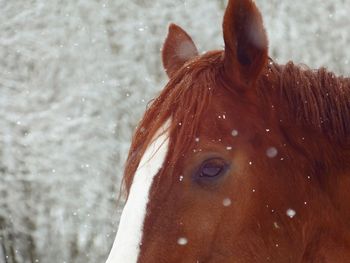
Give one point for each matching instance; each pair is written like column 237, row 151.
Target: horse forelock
column 184, row 100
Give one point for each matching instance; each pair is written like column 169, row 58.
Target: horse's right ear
column 178, row 48
column 246, row 45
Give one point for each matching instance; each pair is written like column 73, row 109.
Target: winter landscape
column 75, row 78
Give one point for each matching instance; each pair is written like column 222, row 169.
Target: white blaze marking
column 126, row 246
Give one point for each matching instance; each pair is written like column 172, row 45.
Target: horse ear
column 178, row 48
column 246, row 44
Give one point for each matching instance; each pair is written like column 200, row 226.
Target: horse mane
column 316, row 98
column 310, row 97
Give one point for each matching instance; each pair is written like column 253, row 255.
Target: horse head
column 232, row 161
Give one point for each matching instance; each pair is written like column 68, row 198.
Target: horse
column 239, row 159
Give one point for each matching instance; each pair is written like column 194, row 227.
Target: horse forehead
column 222, row 113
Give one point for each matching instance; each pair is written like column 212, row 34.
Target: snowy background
column 75, row 78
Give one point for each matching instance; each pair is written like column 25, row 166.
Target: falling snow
column 182, row 241
column 291, row 213
column 226, row 202
column 234, row 133
column 76, row 76
column 271, row 152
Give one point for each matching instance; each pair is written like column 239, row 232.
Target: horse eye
column 212, row 168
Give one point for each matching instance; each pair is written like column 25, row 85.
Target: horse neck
column 311, row 110
column 311, row 114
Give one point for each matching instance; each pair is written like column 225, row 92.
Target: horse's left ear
column 246, row 44
column 178, row 48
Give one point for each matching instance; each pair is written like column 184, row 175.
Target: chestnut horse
column 238, row 159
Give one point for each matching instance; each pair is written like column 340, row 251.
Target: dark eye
column 212, row 168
